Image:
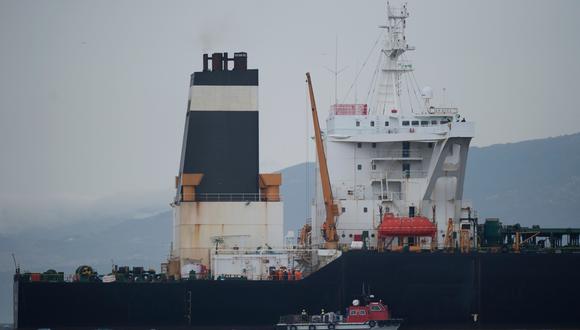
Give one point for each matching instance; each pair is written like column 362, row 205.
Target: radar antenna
column 388, row 86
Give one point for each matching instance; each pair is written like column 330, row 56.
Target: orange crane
column 329, row 227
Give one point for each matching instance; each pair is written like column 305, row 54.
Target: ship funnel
column 225, row 60
column 205, row 62
column 220, row 61
column 217, row 62
column 240, row 61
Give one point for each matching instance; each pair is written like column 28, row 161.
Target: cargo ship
column 388, row 214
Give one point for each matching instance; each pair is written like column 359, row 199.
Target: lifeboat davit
column 405, row 226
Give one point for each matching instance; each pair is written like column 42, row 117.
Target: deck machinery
column 494, row 236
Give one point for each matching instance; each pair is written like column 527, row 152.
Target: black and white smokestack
column 221, row 130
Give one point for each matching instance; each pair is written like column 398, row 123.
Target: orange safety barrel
column 405, row 226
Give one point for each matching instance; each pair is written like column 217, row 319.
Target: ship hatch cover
column 404, row 226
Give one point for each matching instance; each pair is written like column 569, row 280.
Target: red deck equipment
column 403, row 226
column 349, row 109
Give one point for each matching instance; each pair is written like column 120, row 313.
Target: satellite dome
column 427, row 92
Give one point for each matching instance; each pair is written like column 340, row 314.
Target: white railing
column 397, row 153
column 442, row 111
column 361, row 130
column 395, row 175
column 256, row 251
column 229, row 197
column 431, row 128
column 391, row 196
column 377, row 175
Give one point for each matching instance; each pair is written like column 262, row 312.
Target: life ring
column 293, row 327
column 312, row 327
column 372, row 323
column 331, row 326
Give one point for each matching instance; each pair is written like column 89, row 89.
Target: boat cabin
column 374, row 311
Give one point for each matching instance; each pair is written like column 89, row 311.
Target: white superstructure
column 394, row 157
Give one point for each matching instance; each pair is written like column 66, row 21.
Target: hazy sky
column 93, row 93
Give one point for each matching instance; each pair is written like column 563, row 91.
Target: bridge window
column 407, row 170
column 415, row 123
column 362, row 312
column 405, row 123
column 353, row 312
column 386, row 123
column 406, row 148
column 433, row 122
column 372, row 123
column 424, row 122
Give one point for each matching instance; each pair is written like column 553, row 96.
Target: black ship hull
column 426, row 289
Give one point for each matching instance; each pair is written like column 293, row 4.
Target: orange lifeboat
column 392, row 226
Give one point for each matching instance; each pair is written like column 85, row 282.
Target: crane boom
column 329, row 227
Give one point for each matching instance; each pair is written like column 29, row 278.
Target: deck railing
column 412, row 174
column 230, row 197
column 396, row 153
column 391, row 196
column 397, row 175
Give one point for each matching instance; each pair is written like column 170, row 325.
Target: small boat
column 369, row 315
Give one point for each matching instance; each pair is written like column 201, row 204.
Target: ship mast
column 388, row 86
column 329, row 227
